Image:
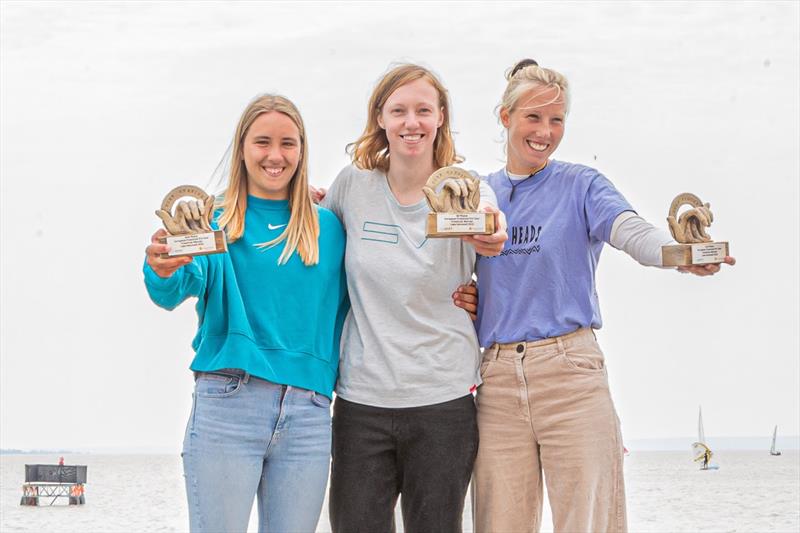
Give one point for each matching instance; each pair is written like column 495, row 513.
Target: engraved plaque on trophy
column 189, row 226
column 453, row 195
column 689, row 229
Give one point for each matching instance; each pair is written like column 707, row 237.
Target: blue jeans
column 247, row 437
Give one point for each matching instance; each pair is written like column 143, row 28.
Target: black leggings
column 426, row 453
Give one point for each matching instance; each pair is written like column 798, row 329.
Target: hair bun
column 521, row 65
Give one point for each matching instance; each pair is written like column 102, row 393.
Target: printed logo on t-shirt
column 525, row 234
column 388, row 233
column 523, row 240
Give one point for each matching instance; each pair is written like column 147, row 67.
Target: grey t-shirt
column 404, row 344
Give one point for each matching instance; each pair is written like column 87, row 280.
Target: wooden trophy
column 696, row 246
column 189, row 227
column 455, row 205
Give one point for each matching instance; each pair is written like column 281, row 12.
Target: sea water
column 666, row 492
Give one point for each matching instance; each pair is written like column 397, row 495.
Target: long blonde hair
column 371, row 150
column 302, row 231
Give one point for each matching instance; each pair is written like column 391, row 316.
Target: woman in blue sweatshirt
column 270, row 314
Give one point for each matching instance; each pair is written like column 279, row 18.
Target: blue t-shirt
column 281, row 323
column 542, row 283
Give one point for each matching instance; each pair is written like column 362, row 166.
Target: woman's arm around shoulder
column 330, row 225
column 335, row 197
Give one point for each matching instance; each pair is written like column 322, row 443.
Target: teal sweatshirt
column 281, row 323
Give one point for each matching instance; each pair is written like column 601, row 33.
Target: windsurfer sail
column 702, row 453
column 772, row 450
column 700, row 449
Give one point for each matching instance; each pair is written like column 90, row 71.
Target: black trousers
column 424, row 453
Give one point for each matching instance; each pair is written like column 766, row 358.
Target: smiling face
column 271, row 151
column 411, row 118
column 535, row 128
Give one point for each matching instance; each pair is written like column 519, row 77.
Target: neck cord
column 514, row 184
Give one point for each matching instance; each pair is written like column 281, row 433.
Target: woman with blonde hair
column 270, row 314
column 544, row 405
column 404, row 416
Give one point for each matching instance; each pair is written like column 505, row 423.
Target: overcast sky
column 106, row 106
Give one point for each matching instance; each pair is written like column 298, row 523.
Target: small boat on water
column 45, row 483
column 772, row 450
column 700, row 449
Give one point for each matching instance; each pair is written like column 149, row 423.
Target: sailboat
column 701, row 450
column 773, row 451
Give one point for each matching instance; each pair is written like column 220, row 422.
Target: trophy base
column 210, row 242
column 459, row 224
column 701, row 253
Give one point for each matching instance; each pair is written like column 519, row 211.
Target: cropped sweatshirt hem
column 308, row 371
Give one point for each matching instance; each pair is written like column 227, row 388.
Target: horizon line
column 790, row 442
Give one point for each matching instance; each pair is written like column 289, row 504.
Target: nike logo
column 270, row 226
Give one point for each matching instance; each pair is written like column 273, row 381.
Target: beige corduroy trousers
column 545, row 406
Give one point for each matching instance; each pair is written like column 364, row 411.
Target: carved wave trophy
column 689, row 229
column 189, row 225
column 453, row 195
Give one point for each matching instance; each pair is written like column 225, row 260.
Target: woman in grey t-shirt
column 404, row 416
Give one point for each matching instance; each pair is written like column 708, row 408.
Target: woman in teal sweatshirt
column 270, row 315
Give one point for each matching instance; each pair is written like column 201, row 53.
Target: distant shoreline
column 14, row 451
column 90, row 451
